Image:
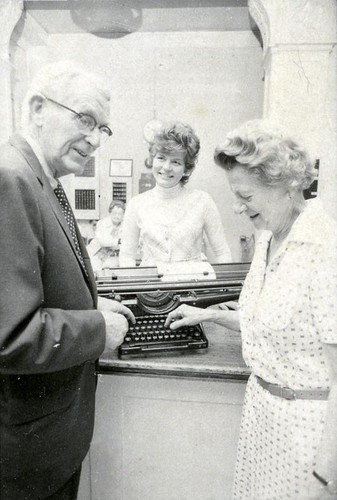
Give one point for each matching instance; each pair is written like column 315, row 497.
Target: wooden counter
column 167, row 426
column 221, row 360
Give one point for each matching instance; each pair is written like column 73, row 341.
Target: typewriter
column 152, row 294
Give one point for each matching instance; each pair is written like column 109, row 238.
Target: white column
column 300, row 62
column 10, row 13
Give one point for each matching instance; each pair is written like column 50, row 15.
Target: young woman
column 171, row 220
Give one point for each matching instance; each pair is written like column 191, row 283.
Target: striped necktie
column 69, row 216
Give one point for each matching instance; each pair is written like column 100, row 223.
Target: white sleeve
column 103, row 234
column 130, row 236
column 215, row 233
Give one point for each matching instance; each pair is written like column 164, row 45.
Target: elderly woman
column 288, row 320
column 170, row 219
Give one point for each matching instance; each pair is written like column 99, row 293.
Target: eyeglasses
column 86, row 123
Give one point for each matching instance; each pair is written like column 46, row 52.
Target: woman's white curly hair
column 268, row 153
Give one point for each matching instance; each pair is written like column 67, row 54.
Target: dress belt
column 292, row 394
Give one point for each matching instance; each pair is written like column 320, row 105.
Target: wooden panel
column 164, row 438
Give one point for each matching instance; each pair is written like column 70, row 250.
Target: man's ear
column 36, row 106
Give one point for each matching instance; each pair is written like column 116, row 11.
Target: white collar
column 171, row 192
column 40, row 156
column 313, row 225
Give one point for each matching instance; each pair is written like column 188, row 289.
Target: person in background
column 104, row 248
column 288, row 320
column 87, row 229
column 108, row 230
column 171, row 220
column 53, row 328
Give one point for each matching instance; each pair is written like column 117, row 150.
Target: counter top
column 221, row 360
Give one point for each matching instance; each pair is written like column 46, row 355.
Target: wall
column 300, row 61
column 212, row 80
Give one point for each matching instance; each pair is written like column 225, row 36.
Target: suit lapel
column 22, row 145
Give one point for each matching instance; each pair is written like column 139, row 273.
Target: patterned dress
column 288, row 309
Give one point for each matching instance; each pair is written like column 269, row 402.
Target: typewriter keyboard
column 150, row 334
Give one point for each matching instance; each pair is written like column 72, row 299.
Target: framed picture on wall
column 120, row 168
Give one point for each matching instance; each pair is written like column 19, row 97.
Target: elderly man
column 52, row 328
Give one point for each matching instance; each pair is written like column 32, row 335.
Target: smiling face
column 168, row 168
column 116, row 215
column 268, row 207
column 66, row 148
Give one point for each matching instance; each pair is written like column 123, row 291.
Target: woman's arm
column 103, row 233
column 186, row 315
column 323, row 296
column 215, row 233
column 130, row 237
column 326, row 463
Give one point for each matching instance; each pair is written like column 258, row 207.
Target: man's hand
column 116, row 317
column 116, row 327
column 104, row 304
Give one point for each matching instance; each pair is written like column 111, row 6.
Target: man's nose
column 239, row 208
column 94, row 137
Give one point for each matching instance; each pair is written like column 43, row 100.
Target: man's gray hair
column 59, row 80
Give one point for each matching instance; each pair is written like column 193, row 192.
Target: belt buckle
column 288, row 393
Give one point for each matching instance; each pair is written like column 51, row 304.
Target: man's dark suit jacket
column 50, row 334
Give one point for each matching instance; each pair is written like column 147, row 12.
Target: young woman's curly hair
column 172, row 138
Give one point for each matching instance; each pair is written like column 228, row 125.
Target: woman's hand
column 186, row 315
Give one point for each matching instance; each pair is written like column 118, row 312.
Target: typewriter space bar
column 164, row 347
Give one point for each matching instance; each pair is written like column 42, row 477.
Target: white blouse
column 107, row 234
column 171, row 225
column 288, row 308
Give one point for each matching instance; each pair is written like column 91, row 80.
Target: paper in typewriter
column 182, row 271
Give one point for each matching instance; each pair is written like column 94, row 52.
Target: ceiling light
column 106, row 18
